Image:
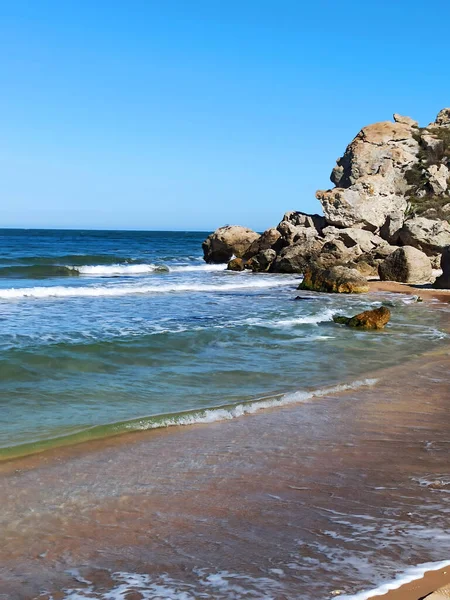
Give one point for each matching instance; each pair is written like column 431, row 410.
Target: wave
column 245, row 283
column 143, row 269
column 411, row 574
column 40, row 271
column 191, row 417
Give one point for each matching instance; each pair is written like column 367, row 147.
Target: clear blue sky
column 190, row 114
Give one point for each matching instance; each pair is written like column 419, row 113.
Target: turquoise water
column 102, row 328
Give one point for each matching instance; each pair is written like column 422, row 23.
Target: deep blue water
column 101, row 327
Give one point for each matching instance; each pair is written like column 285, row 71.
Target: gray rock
column 269, row 239
column 295, row 258
column 443, row 282
column 430, row 236
column 406, row 265
column 443, row 118
column 370, row 177
column 352, row 236
column 438, row 178
column 227, row 241
column 405, row 120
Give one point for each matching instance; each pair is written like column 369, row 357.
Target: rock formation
column 369, row 319
column 392, row 189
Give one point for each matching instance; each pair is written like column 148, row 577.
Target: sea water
column 109, row 331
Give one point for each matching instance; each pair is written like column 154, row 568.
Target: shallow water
column 102, row 331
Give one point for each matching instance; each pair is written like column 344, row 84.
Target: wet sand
column 331, row 495
column 424, row 291
column 418, row 589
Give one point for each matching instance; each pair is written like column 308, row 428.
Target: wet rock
column 406, row 265
column 227, row 241
column 236, row 264
column 443, row 282
column 262, row 261
column 369, row 319
column 337, row 279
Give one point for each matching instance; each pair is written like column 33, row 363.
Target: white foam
column 411, row 574
column 142, row 269
column 244, row 283
column 119, row 269
column 212, row 415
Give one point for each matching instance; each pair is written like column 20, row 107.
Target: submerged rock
column 406, row 265
column 227, row 241
column 338, row 279
column 369, row 319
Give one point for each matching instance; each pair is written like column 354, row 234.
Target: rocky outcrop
column 338, row 279
column 392, row 189
column 369, row 319
column 369, row 177
column 227, row 241
column 443, row 281
column 406, row 265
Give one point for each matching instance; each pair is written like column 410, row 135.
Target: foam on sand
column 411, row 574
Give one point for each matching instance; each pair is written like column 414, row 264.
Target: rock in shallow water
column 220, row 246
column 338, row 279
column 369, row 319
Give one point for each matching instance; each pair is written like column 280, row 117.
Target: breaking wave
column 244, row 283
column 190, row 417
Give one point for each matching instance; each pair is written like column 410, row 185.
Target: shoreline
column 425, row 292
column 221, row 482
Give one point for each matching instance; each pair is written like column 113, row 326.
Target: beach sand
column 424, row 291
column 331, row 495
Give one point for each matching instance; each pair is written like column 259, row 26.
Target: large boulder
column 370, row 177
column 227, row 241
column 430, row 236
column 337, row 279
column 352, row 237
column 443, row 282
column 369, row 319
column 406, row 265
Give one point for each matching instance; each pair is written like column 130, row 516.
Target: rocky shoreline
column 387, row 216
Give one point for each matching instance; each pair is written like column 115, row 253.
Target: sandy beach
column 253, row 502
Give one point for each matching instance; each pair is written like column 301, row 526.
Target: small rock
column 369, row 319
column 262, row 261
column 405, row 120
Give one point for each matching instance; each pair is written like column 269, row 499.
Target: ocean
column 110, row 331
column 337, row 483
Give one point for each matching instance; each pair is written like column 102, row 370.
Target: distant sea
column 111, row 331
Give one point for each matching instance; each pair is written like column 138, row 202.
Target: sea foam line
column 142, row 269
column 411, row 574
column 126, row 290
column 190, row 417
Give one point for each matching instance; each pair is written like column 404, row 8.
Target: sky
column 192, row 114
